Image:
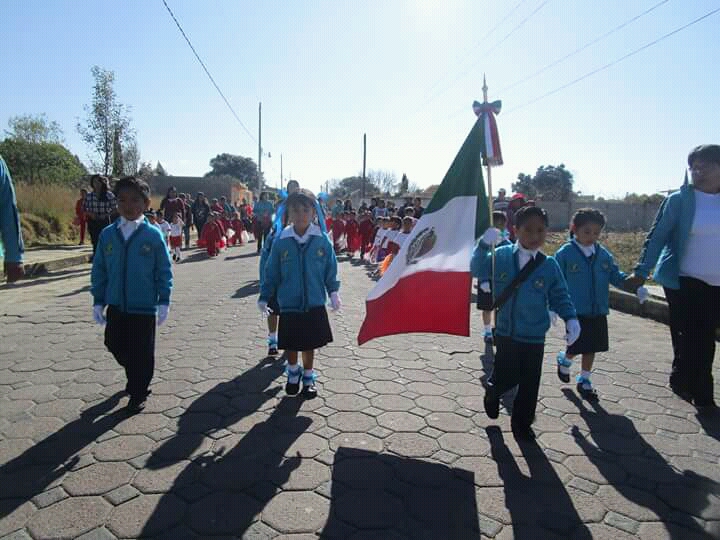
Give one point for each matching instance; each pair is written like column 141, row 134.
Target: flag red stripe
column 436, row 302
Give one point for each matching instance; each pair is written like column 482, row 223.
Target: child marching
column 176, row 236
column 132, row 277
column 527, row 282
column 589, row 270
column 301, row 271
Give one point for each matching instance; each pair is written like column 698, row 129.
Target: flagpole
column 491, row 207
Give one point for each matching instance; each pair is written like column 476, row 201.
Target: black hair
column 499, row 216
column 131, row 182
column 105, row 185
column 292, row 182
column 587, row 215
column 704, row 152
column 526, row 212
column 396, row 221
column 302, row 197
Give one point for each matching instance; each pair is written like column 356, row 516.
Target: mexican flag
column 427, row 287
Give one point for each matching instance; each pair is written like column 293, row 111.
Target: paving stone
column 449, row 422
column 123, row 447
column 97, row 478
column 162, row 479
column 69, row 518
column 296, row 512
column 401, row 421
column 146, row 515
column 351, row 421
column 411, row 445
column 49, row 497
column 121, row 495
column 15, row 514
column 98, row 534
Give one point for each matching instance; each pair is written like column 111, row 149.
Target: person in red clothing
column 215, row 206
column 367, row 233
column 236, row 225
column 80, row 217
column 172, row 205
column 338, row 230
column 352, row 233
column 212, row 234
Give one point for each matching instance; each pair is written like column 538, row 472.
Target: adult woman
column 172, row 205
column 200, row 211
column 686, row 236
column 100, row 207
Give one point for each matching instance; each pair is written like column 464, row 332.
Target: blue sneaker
column 294, row 374
column 585, row 389
column 563, row 367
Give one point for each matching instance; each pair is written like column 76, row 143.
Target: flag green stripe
column 465, row 177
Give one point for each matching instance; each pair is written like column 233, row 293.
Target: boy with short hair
column 132, row 277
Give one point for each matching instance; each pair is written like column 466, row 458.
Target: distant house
column 213, row 187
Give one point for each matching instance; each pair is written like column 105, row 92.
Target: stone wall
column 621, row 216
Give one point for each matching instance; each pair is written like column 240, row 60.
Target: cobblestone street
column 396, row 446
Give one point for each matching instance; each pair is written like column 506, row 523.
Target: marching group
column 298, row 242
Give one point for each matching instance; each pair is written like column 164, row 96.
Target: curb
column 39, row 268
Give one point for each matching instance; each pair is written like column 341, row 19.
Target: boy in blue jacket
column 132, row 276
column 301, row 270
column 523, row 319
column 589, row 270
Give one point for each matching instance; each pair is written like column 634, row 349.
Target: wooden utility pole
column 261, row 183
column 364, row 163
column 281, row 173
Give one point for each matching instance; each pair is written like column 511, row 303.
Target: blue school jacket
column 668, row 237
column 134, row 275
column 300, row 275
column 524, row 317
column 10, row 232
column 589, row 279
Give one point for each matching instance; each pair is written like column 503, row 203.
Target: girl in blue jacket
column 589, row 270
column 523, row 320
column 301, row 271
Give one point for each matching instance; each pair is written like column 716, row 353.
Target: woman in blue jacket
column 686, row 239
column 301, row 271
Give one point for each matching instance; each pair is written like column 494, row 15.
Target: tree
column 131, row 157
column 241, row 168
column 385, row 180
column 404, row 185
column 550, row 183
column 105, row 117
column 145, row 170
column 34, row 129
column 160, row 170
column 352, row 184
column 634, row 198
column 44, row 162
column 118, row 168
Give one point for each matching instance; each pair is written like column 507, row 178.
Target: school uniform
column 485, row 299
column 521, row 323
column 132, row 275
column 301, row 272
column 589, row 271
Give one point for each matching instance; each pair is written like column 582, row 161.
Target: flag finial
column 484, row 89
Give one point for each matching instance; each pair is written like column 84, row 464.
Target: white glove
column 572, row 329
column 265, row 311
column 553, row 318
column 98, row 314
column 335, row 302
column 162, row 315
column 491, row 236
column 642, row 294
column 485, row 287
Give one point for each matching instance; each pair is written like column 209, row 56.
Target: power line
column 208, row 73
column 617, row 61
column 588, row 44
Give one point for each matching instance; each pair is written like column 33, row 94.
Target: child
column 367, row 229
column 352, row 233
column 301, row 271
column 237, row 225
column 589, row 269
column 212, row 235
column 163, row 225
column 382, row 230
column 132, row 276
column 485, row 300
column 338, row 232
column 396, row 244
column 393, row 228
column 526, row 281
column 80, row 216
column 176, row 236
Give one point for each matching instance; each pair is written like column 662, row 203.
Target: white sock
column 585, row 375
column 488, row 328
column 293, row 368
column 272, row 336
column 308, row 373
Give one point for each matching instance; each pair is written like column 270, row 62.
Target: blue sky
column 403, row 71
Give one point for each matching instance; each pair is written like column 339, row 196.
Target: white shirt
column 524, row 255
column 176, row 229
column 588, row 251
column 164, row 228
column 702, row 256
column 312, row 230
column 127, row 227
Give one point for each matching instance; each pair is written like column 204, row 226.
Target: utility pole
column 364, row 162
column 281, row 173
column 260, row 178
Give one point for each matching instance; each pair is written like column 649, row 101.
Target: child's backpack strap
column 520, row 278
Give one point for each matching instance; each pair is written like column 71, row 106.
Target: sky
column 404, row 72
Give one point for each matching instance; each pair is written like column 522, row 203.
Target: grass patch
column 46, row 213
column 625, row 246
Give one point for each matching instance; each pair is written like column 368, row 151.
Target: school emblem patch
column 605, row 266
column 320, row 253
column 539, row 283
column 503, row 276
column 284, row 255
column 574, row 268
column 109, row 249
column 146, row 249
column 421, row 245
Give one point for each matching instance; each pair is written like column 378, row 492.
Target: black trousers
column 518, row 364
column 694, row 316
column 186, row 231
column 95, row 227
column 131, row 340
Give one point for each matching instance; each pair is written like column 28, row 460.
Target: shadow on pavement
column 49, row 277
column 539, row 504
column 243, row 256
column 34, row 470
column 222, row 492
column 251, row 288
column 390, row 497
column 619, row 446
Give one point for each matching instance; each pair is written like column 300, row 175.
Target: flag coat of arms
column 427, row 287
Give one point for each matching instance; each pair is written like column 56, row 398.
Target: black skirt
column 593, row 336
column 484, row 300
column 304, row 331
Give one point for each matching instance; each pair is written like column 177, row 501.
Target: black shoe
column 292, row 389
column 272, row 350
column 309, row 391
column 491, row 404
column 135, row 405
column 587, row 393
column 488, row 339
column 524, row 433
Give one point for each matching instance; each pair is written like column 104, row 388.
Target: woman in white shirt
column 686, row 239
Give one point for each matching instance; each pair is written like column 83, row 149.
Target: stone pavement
column 395, row 447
